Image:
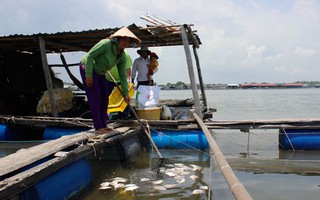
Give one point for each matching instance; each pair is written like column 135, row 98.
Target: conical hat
column 125, row 32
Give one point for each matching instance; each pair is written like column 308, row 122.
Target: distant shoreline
column 246, row 88
column 240, row 86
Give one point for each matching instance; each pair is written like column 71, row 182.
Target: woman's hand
column 89, row 81
column 127, row 99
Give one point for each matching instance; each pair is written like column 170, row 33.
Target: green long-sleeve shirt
column 102, row 57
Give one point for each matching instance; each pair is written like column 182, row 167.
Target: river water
column 247, row 153
column 266, row 172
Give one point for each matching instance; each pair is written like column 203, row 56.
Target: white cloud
column 304, row 52
column 242, row 40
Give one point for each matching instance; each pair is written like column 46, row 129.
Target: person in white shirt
column 141, row 65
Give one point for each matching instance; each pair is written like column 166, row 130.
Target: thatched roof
column 84, row 40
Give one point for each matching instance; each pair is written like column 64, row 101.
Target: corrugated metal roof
column 84, row 40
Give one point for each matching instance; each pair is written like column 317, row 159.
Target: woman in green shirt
column 93, row 66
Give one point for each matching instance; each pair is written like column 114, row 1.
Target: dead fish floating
column 194, row 177
column 196, row 167
column 178, row 171
column 104, row 184
column 204, row 187
column 130, row 187
column 159, row 188
column 145, row 179
column 105, row 187
column 198, row 191
column 120, row 179
column 157, row 182
column 170, row 186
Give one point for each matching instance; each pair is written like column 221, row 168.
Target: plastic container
column 116, row 100
column 149, row 113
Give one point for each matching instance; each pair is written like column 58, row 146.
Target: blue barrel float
column 62, row 184
column 51, row 133
column 3, row 128
column 179, row 139
column 299, row 139
column 8, row 133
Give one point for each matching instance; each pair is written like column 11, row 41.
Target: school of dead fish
column 179, row 172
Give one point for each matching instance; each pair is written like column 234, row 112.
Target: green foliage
column 180, row 83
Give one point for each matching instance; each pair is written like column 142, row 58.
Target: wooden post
column 204, row 97
column 47, row 75
column 195, row 47
column 190, row 69
column 236, row 187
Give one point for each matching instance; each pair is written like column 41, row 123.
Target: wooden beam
column 25, row 157
column 191, row 72
column 204, row 97
column 47, row 75
column 66, row 46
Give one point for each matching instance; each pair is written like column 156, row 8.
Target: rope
column 77, row 121
column 194, row 148
column 91, row 142
column 10, row 119
column 288, row 138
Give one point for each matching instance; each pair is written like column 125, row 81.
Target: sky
column 242, row 40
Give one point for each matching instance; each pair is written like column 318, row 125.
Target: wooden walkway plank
column 25, row 157
column 13, row 185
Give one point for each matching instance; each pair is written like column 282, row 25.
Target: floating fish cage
column 299, row 139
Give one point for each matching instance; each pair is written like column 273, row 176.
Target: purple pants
column 97, row 98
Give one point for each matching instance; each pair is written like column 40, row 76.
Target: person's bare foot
column 100, row 131
column 104, row 130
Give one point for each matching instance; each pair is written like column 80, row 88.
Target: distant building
column 233, row 86
column 271, row 85
column 293, row 85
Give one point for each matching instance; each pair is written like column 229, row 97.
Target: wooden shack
column 26, row 74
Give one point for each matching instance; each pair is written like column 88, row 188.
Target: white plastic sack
column 147, row 96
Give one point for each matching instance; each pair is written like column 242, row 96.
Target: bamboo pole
column 137, row 117
column 191, row 72
column 236, row 187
